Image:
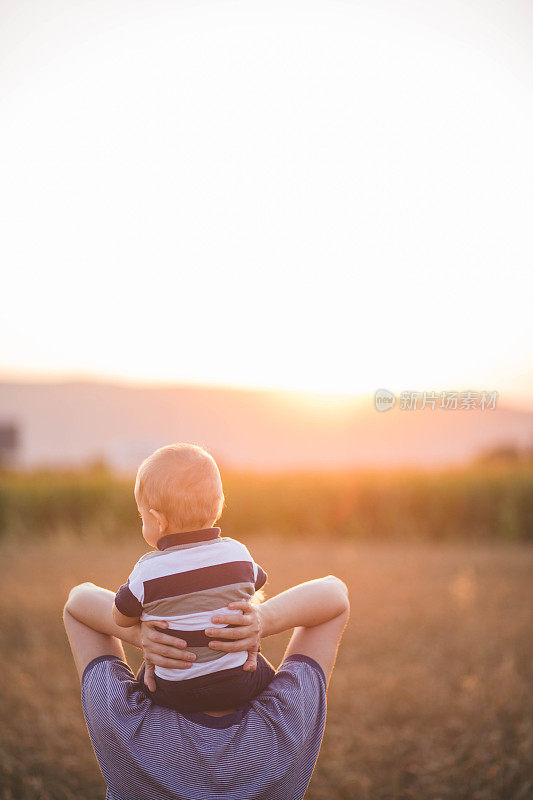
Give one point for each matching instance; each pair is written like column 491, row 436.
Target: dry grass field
column 430, row 700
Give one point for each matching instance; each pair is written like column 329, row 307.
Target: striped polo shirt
column 186, row 581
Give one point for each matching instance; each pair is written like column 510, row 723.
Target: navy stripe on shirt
column 261, row 578
column 197, row 580
column 127, row 603
column 193, row 638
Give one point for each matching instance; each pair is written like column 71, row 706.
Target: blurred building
column 9, row 444
column 125, row 454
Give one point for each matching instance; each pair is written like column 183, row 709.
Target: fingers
column 162, row 649
column 232, row 619
column 168, row 657
column 227, row 633
column 168, row 641
column 234, row 647
column 151, row 634
column 166, row 646
column 155, row 623
column 242, row 605
column 171, row 663
column 250, row 665
column 243, row 632
column 149, row 676
column 169, row 652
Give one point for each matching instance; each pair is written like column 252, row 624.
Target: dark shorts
column 230, row 688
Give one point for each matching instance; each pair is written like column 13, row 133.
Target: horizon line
column 517, row 401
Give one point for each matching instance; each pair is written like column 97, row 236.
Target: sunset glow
column 254, row 195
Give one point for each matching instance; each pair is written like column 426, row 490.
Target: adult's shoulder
column 299, row 676
column 295, row 700
column 288, row 718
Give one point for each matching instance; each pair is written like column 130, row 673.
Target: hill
column 76, row 422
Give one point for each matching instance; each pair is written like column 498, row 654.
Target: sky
column 315, row 196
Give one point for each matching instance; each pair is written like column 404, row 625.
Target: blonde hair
column 183, row 482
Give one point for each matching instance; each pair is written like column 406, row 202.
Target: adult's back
column 265, row 751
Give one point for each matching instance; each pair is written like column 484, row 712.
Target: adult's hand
column 245, row 633
column 162, row 650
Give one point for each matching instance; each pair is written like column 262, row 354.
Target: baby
column 192, row 575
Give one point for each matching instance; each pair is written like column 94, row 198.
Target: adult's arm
column 318, row 611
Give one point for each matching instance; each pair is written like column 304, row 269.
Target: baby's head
column 178, row 488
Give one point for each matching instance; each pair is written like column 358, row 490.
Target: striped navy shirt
column 186, row 581
column 265, row 751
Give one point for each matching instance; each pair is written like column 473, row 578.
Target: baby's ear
column 161, row 519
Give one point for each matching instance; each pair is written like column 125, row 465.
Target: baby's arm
column 260, row 577
column 127, row 608
column 122, row 620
